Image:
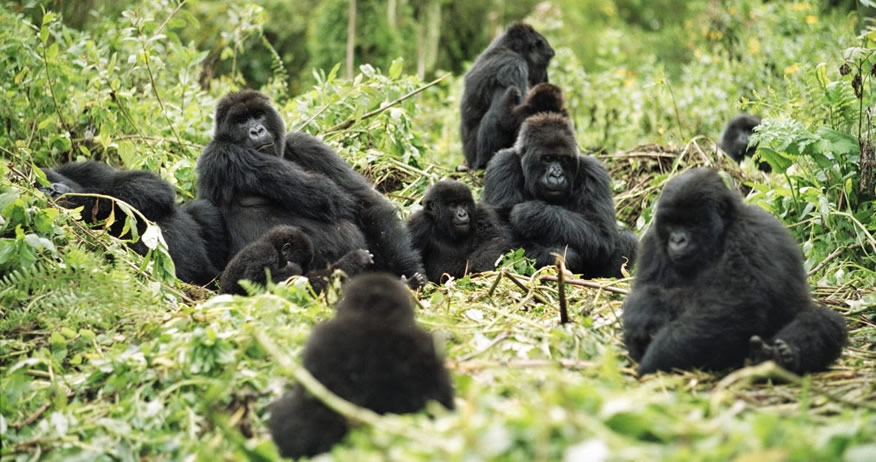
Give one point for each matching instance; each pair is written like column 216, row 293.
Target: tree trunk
column 351, row 37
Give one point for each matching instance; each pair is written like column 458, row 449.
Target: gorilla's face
column 549, row 175
column 247, row 119
column 451, row 210
column 538, row 55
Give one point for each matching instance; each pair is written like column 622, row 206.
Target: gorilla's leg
column 809, row 343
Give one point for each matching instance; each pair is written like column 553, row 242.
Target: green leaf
column 395, row 69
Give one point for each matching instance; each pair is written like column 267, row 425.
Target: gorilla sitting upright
column 556, row 201
column 259, row 177
column 195, row 233
column 514, row 61
column 719, row 281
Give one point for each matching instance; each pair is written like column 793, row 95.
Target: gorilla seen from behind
column 372, row 354
column 556, row 201
column 734, row 140
column 718, row 281
column 286, row 251
column 259, row 177
column 194, row 233
column 511, row 64
column 453, row 234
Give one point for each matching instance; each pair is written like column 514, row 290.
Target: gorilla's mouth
column 265, row 148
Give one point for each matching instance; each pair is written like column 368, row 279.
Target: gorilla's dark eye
column 548, row 159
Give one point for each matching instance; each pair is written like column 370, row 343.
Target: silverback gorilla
column 195, row 233
column 286, row 251
column 514, row 61
column 260, row 177
column 719, row 281
column 372, row 354
column 453, row 234
column 556, row 201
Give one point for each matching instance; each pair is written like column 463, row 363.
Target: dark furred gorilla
column 719, row 280
column 515, row 61
column 453, row 234
column 557, row 201
column 260, row 178
column 286, row 251
column 195, row 233
column 734, row 140
column 372, row 354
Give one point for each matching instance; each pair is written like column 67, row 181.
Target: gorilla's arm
column 387, row 237
column 497, row 127
column 725, row 318
column 503, row 182
column 420, row 228
column 542, row 222
column 647, row 310
column 352, row 263
column 226, row 171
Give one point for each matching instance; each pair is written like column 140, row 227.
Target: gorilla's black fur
column 260, row 177
column 734, row 140
column 286, row 251
column 718, row 281
column 453, row 234
column 557, row 201
column 195, row 233
column 514, row 61
column 372, row 354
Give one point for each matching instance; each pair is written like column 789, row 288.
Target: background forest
column 104, row 355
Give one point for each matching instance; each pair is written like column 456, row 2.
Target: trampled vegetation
column 104, row 355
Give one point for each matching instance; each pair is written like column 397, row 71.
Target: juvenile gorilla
column 260, row 177
column 195, row 233
column 514, row 61
column 372, row 354
column 286, row 251
column 734, row 140
column 718, row 281
column 556, row 201
column 453, row 234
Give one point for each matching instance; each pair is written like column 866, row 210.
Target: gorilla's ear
column 429, row 206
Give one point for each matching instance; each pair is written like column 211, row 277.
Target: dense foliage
column 105, row 356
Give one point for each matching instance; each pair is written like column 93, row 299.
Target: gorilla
column 556, row 201
column 734, row 140
column 514, row 61
column 719, row 281
column 453, row 234
column 195, row 233
column 372, row 354
column 259, row 177
column 286, row 251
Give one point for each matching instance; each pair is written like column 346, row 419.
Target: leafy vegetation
column 104, row 356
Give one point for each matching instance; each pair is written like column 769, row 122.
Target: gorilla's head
column 545, row 97
column 377, row 296
column 693, row 214
column 451, row 206
column 534, row 48
column 549, row 157
column 734, row 140
column 293, row 246
column 247, row 118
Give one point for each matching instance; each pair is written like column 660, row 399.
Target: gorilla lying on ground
column 286, row 251
column 557, row 201
column 514, row 61
column 718, row 280
column 453, row 234
column 734, row 140
column 259, row 177
column 372, row 354
column 195, row 233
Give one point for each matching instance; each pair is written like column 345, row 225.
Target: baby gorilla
column 453, row 234
column 286, row 251
column 734, row 140
column 718, row 281
column 372, row 354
